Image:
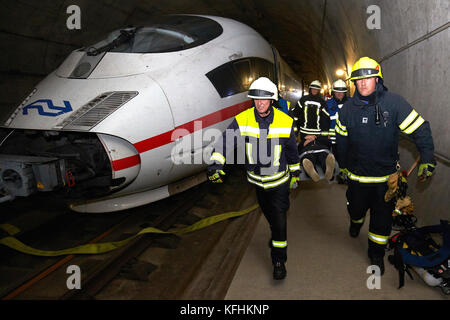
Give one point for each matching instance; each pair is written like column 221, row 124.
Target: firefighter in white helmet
column 272, row 171
column 339, row 96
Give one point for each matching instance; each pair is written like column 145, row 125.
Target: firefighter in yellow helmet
column 367, row 131
column 271, row 160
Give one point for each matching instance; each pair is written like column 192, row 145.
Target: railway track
column 151, row 266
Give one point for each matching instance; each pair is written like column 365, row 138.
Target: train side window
column 263, row 68
column 237, row 76
column 242, row 69
column 225, row 81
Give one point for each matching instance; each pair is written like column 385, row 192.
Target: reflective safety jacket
column 369, row 151
column 312, row 118
column 270, row 152
column 333, row 107
column 284, row 105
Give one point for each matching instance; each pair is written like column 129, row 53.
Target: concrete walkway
column 324, row 262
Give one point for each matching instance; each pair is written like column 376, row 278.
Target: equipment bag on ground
column 415, row 249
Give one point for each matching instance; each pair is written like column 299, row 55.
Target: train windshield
column 164, row 34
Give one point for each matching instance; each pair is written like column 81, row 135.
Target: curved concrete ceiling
column 316, row 37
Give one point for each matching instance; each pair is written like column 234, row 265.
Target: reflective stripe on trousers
column 274, row 204
column 370, row 197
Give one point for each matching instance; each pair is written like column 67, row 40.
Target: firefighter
column 367, row 130
column 271, row 160
column 339, row 96
column 283, row 104
column 313, row 124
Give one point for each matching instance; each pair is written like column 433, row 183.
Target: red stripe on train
column 189, row 127
column 126, row 163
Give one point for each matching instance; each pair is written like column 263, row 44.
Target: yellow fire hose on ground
column 98, row 248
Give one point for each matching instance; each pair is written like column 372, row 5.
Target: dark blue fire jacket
column 369, row 150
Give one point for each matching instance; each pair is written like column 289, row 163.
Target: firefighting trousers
column 363, row 197
column 274, row 204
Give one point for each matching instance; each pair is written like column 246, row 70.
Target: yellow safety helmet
column 365, row 68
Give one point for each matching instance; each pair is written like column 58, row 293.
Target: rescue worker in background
column 271, row 160
column 367, row 130
column 283, row 104
column 313, row 125
column 339, row 96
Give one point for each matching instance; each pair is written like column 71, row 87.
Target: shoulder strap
column 397, row 259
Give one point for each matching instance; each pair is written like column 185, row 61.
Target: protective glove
column 425, row 171
column 215, row 176
column 342, row 176
column 392, row 184
column 294, row 182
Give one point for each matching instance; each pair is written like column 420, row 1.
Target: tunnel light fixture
column 340, row 72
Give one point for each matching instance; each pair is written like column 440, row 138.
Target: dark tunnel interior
column 410, row 38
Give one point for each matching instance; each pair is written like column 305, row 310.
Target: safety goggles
column 340, row 89
column 364, row 73
column 261, row 94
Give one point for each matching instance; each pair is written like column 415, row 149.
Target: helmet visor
column 260, row 94
column 365, row 73
column 340, row 89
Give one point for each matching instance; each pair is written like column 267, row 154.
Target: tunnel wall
column 420, row 74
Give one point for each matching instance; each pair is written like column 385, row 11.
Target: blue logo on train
column 39, row 105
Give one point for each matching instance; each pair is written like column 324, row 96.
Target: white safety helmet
column 315, row 85
column 339, row 86
column 263, row 88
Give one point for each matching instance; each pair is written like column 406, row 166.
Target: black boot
column 354, row 229
column 279, row 271
column 378, row 261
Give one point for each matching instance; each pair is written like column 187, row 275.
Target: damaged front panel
column 73, row 164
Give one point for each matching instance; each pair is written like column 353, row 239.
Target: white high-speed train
column 103, row 129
